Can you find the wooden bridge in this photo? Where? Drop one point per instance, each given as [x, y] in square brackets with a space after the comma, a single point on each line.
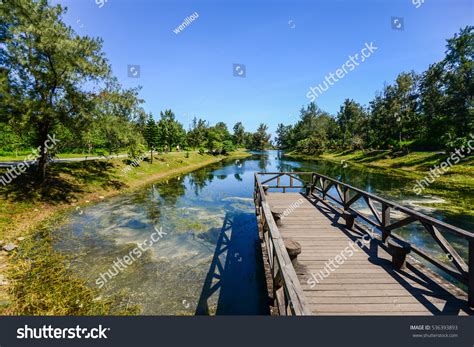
[333, 249]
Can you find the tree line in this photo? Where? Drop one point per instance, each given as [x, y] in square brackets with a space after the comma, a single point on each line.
[428, 111]
[53, 81]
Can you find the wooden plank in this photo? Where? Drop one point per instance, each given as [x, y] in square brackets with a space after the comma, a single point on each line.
[396, 307]
[323, 286]
[374, 299]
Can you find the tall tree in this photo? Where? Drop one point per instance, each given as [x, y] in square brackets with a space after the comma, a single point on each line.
[352, 122]
[459, 67]
[197, 133]
[239, 134]
[48, 64]
[151, 135]
[283, 136]
[171, 131]
[261, 138]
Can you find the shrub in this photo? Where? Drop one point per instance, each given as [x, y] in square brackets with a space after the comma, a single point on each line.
[135, 151]
[311, 145]
[460, 143]
[227, 147]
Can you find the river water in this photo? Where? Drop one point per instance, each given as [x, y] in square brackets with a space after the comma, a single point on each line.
[206, 260]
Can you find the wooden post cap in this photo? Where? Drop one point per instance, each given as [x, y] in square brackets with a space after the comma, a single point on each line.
[399, 251]
[292, 247]
[277, 211]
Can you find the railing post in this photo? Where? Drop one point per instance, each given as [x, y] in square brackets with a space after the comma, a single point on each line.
[471, 272]
[346, 198]
[385, 221]
[323, 186]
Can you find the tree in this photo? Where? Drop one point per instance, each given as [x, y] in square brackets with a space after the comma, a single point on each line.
[116, 121]
[283, 138]
[433, 105]
[171, 131]
[239, 134]
[261, 138]
[197, 133]
[224, 134]
[213, 140]
[459, 66]
[48, 64]
[352, 122]
[151, 135]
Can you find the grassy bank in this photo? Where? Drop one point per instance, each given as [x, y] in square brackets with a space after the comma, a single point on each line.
[456, 185]
[34, 279]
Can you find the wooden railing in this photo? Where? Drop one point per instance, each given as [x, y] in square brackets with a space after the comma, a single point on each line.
[287, 291]
[347, 195]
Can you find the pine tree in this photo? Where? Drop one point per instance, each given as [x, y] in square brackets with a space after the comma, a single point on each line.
[151, 135]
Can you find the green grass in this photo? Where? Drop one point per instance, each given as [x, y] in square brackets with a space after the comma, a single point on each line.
[42, 284]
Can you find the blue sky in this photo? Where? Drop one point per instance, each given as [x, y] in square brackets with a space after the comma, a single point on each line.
[286, 46]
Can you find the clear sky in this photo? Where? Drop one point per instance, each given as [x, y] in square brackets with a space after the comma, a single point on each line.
[286, 47]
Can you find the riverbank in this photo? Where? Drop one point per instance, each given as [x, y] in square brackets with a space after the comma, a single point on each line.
[33, 274]
[456, 185]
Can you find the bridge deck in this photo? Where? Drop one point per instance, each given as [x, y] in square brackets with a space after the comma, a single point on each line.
[365, 283]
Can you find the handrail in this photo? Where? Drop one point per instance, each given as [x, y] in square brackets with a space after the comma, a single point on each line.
[287, 290]
[381, 220]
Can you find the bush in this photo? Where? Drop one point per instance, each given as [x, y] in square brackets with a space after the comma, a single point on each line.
[460, 143]
[311, 145]
[201, 150]
[135, 151]
[227, 147]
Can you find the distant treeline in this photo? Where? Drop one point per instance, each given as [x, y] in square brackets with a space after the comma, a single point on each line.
[432, 110]
[167, 133]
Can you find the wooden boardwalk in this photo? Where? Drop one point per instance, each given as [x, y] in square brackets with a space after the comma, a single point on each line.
[366, 283]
